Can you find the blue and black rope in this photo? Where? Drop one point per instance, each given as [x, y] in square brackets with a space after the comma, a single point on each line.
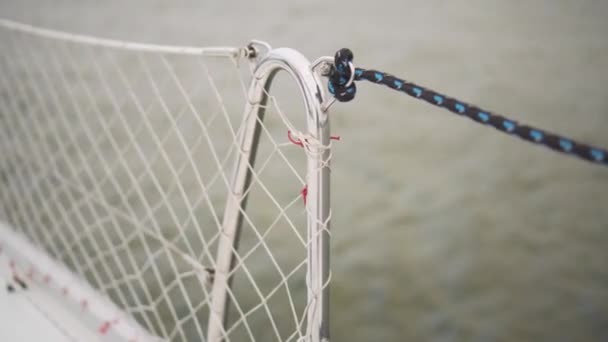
[342, 91]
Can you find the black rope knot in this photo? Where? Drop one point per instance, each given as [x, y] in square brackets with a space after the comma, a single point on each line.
[341, 79]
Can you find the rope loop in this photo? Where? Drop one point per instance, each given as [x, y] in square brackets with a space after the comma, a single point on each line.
[341, 84]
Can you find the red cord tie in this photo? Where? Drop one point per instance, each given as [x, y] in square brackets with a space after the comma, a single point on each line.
[301, 144]
[105, 326]
[304, 193]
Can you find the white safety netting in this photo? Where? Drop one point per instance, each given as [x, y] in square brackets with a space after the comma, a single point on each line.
[117, 161]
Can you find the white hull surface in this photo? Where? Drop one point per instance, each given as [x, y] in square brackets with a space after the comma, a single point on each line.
[41, 300]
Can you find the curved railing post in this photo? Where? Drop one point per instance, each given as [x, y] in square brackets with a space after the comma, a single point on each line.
[318, 208]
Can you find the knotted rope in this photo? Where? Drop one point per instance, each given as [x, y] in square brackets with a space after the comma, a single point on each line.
[343, 90]
[341, 84]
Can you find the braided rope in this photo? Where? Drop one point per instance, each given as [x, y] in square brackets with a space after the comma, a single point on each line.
[341, 84]
[220, 51]
[344, 92]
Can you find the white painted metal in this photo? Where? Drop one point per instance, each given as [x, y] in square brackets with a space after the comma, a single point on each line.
[299, 68]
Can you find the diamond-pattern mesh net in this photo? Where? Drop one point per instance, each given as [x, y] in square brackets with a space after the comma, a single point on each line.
[118, 164]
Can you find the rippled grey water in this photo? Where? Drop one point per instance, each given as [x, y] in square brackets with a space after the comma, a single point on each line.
[442, 230]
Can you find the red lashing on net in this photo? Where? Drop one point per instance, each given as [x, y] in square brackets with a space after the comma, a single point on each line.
[304, 193]
[301, 144]
[105, 326]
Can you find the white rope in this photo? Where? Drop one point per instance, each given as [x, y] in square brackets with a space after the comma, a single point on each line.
[219, 51]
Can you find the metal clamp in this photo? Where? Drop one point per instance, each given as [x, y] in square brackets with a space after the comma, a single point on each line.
[255, 47]
[324, 67]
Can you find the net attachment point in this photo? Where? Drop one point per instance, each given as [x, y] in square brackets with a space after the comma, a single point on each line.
[257, 48]
[209, 276]
[324, 66]
[330, 67]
